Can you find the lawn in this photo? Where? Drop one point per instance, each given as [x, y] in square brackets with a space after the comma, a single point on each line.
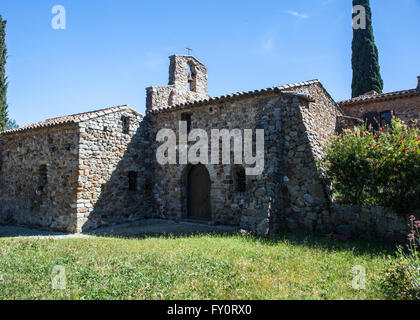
[200, 266]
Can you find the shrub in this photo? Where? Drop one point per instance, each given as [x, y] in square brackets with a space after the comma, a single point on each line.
[376, 168]
[401, 280]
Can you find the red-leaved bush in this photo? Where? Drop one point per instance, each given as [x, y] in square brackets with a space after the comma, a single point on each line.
[366, 167]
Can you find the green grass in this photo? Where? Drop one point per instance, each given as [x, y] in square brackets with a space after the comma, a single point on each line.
[202, 266]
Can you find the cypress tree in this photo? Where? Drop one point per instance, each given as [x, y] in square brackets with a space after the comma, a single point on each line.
[365, 58]
[3, 78]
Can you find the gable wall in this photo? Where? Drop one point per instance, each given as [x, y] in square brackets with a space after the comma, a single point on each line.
[319, 117]
[106, 156]
[21, 201]
[289, 191]
[249, 209]
[181, 70]
[407, 109]
[310, 127]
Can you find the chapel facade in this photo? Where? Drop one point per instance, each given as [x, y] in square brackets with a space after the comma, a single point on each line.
[84, 171]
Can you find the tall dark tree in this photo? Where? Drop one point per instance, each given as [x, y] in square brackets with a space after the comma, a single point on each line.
[365, 59]
[3, 78]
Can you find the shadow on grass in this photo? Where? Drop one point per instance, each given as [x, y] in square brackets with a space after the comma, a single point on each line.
[314, 241]
[10, 231]
[326, 242]
[165, 230]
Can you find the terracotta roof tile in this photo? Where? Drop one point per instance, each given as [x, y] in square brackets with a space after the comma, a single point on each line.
[235, 95]
[380, 97]
[74, 118]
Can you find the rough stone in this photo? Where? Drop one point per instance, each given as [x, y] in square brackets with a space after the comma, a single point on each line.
[84, 171]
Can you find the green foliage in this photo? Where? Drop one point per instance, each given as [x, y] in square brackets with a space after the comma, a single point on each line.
[200, 266]
[401, 280]
[3, 78]
[11, 124]
[381, 168]
[365, 58]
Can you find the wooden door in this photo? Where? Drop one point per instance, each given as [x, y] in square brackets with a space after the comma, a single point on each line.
[199, 206]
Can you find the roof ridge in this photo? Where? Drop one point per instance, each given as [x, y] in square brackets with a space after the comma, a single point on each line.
[392, 94]
[88, 112]
[73, 118]
[236, 94]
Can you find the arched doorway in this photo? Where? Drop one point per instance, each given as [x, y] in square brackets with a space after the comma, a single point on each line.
[199, 206]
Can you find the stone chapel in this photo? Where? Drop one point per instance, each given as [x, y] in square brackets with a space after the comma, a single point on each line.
[84, 171]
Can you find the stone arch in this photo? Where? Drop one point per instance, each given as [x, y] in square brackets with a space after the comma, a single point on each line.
[192, 76]
[196, 200]
[184, 191]
[239, 177]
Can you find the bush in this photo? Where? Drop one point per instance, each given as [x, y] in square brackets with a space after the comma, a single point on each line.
[401, 280]
[376, 168]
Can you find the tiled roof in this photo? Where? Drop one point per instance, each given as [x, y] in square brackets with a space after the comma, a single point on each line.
[75, 118]
[381, 97]
[232, 96]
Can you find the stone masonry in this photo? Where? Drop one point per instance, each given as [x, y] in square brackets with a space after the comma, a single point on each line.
[71, 173]
[187, 82]
[405, 104]
[84, 171]
[289, 190]
[39, 177]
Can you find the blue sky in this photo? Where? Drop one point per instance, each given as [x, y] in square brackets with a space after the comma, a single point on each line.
[112, 50]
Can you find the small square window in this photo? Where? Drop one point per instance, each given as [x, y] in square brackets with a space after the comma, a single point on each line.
[192, 77]
[125, 124]
[132, 181]
[386, 118]
[148, 185]
[42, 178]
[239, 178]
[371, 119]
[187, 117]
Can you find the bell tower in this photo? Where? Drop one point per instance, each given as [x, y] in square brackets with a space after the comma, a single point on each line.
[188, 74]
[187, 83]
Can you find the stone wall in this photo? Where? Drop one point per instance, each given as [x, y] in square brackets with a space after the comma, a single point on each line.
[289, 191]
[368, 223]
[89, 170]
[1, 156]
[185, 69]
[307, 128]
[107, 156]
[346, 122]
[38, 178]
[75, 177]
[229, 207]
[187, 83]
[160, 96]
[407, 109]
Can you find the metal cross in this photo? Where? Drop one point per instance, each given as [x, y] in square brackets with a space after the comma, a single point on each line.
[189, 51]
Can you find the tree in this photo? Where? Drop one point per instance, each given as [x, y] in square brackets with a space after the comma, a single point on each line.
[365, 58]
[3, 78]
[11, 124]
[376, 169]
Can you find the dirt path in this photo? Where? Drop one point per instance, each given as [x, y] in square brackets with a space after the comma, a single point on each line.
[23, 232]
[134, 229]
